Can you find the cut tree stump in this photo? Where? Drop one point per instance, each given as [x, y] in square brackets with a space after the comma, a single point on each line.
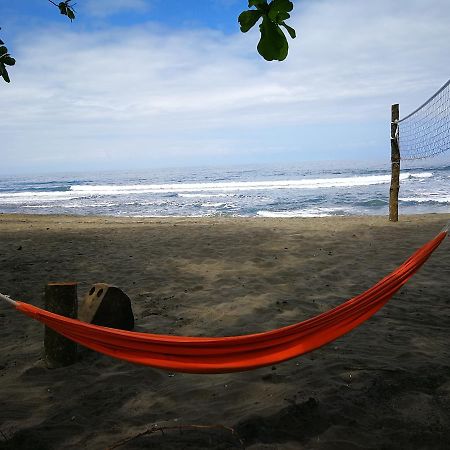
[107, 306]
[60, 298]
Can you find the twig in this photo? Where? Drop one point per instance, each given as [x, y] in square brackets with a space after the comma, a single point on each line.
[156, 428]
[383, 369]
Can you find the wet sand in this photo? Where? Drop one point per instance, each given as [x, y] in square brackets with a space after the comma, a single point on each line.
[384, 385]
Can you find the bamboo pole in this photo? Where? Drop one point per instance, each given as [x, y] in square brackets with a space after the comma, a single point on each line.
[60, 298]
[395, 165]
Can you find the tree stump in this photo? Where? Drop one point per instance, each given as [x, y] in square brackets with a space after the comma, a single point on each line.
[107, 306]
[60, 298]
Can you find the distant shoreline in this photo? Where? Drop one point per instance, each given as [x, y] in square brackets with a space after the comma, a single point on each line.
[139, 219]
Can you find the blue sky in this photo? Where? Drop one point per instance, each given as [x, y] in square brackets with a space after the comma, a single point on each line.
[94, 14]
[153, 83]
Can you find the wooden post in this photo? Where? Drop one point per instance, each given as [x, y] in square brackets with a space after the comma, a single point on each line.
[395, 165]
[60, 298]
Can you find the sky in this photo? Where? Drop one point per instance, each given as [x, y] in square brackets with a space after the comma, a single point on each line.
[135, 84]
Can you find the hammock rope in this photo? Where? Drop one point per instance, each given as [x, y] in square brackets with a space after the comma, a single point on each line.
[235, 353]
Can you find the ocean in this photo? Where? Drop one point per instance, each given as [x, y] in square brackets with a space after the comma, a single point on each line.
[295, 190]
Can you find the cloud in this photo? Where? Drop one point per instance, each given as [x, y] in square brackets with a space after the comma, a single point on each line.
[105, 8]
[151, 94]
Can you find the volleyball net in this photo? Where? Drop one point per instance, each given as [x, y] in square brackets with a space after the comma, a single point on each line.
[426, 131]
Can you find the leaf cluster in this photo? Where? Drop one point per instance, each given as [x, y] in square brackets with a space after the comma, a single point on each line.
[65, 8]
[5, 60]
[273, 44]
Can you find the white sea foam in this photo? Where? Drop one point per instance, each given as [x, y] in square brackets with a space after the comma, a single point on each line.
[445, 199]
[37, 197]
[197, 189]
[421, 175]
[309, 212]
[215, 205]
[199, 195]
[42, 194]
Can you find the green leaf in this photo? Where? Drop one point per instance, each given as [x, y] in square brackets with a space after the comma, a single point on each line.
[8, 60]
[281, 5]
[273, 13]
[289, 29]
[256, 3]
[70, 14]
[278, 17]
[273, 44]
[282, 16]
[278, 11]
[248, 18]
[3, 50]
[4, 73]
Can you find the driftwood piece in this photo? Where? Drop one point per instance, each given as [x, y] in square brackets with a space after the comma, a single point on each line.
[60, 298]
[107, 306]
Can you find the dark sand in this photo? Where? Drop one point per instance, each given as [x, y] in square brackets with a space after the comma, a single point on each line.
[385, 385]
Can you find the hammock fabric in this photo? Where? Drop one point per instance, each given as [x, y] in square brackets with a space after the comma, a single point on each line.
[237, 353]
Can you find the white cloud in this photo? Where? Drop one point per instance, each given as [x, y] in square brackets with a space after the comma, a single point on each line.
[155, 94]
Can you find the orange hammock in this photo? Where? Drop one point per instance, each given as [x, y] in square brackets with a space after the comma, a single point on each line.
[237, 353]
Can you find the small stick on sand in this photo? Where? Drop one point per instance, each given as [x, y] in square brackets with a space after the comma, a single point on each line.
[156, 428]
[384, 369]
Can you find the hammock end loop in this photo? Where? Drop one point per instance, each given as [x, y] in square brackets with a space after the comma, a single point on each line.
[8, 299]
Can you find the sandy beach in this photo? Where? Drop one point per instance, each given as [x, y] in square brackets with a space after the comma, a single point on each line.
[385, 385]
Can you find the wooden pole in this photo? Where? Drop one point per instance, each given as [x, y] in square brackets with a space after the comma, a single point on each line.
[395, 165]
[60, 298]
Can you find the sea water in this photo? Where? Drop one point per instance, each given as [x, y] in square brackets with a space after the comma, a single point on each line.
[295, 190]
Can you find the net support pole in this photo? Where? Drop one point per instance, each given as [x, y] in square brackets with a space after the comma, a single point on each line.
[395, 165]
[60, 298]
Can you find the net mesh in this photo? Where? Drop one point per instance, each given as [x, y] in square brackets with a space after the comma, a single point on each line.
[426, 131]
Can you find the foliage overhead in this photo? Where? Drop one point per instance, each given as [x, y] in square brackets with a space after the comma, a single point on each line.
[66, 9]
[273, 44]
[5, 60]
